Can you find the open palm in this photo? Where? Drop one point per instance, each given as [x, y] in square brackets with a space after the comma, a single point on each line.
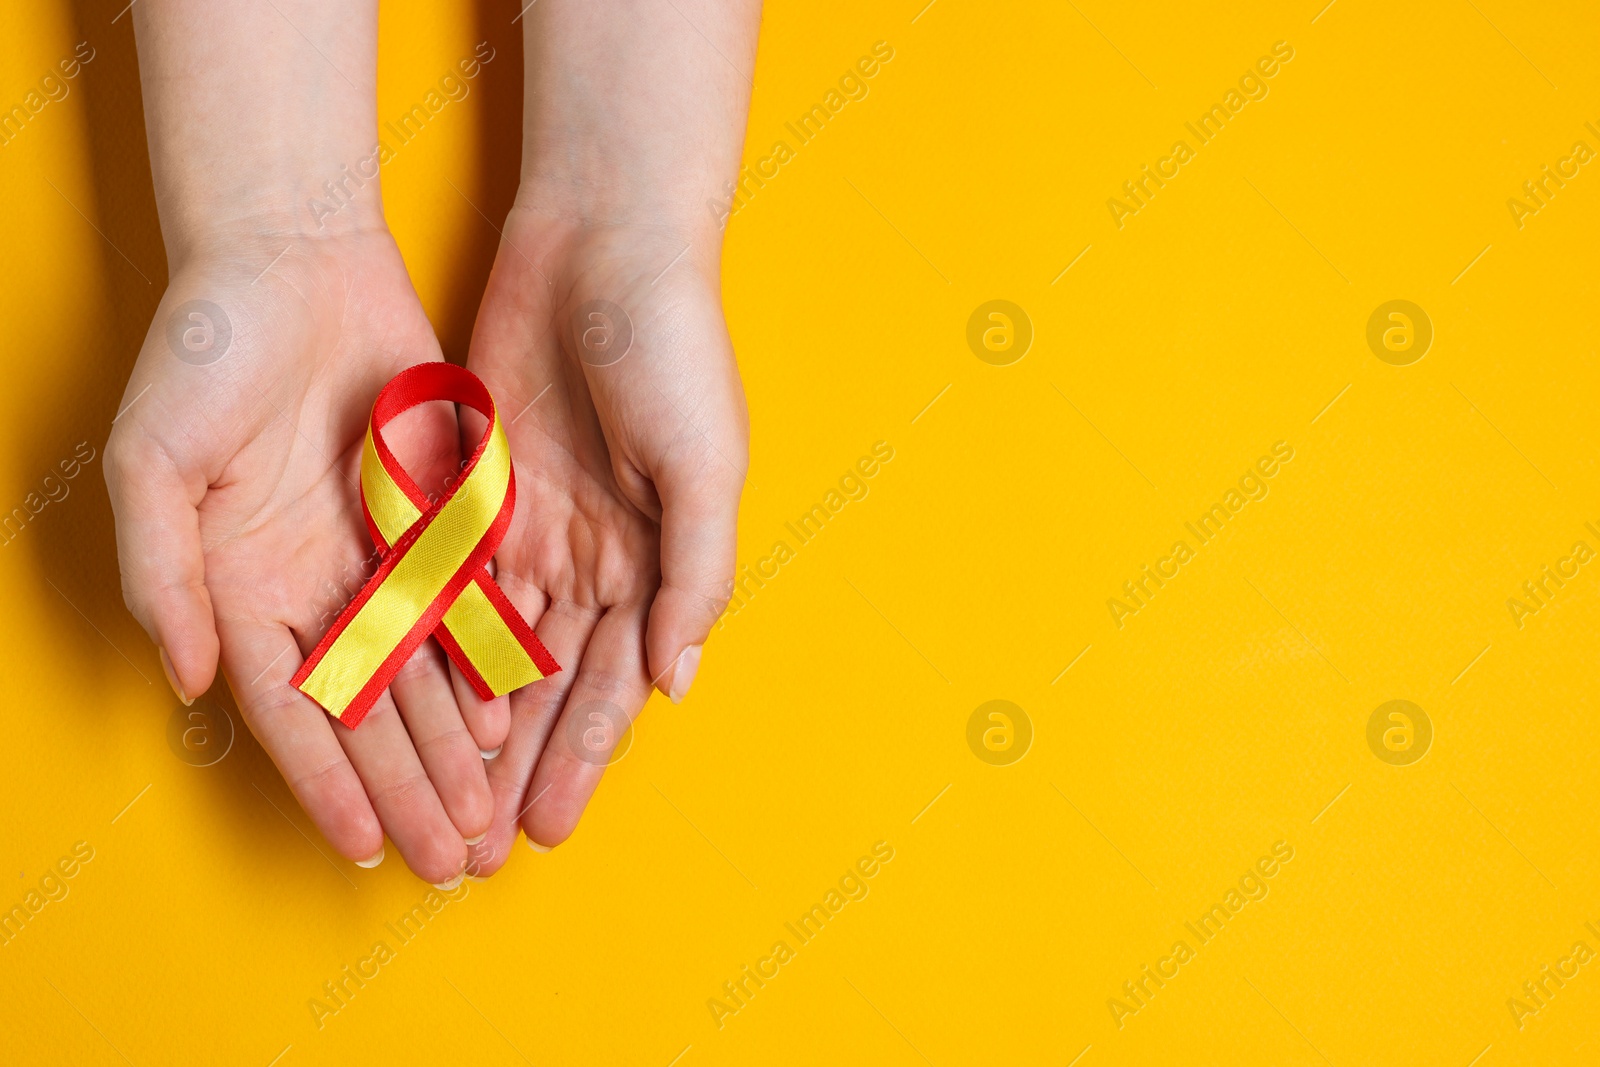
[608, 355]
[234, 473]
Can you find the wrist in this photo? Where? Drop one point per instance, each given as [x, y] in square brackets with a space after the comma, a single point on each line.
[634, 112]
[243, 247]
[316, 199]
[568, 212]
[261, 119]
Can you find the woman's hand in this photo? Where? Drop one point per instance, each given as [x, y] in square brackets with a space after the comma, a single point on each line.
[608, 354]
[234, 462]
[601, 333]
[234, 474]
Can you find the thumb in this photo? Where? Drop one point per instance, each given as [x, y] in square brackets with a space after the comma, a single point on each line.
[163, 566]
[699, 524]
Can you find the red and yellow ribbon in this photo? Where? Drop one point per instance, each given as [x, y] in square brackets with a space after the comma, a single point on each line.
[432, 578]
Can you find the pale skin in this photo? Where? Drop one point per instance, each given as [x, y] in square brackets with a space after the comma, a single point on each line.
[234, 481]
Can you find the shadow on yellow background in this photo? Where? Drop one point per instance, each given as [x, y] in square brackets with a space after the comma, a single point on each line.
[1204, 673]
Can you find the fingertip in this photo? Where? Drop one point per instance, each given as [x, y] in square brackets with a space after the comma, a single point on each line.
[441, 866]
[675, 637]
[172, 677]
[179, 619]
[683, 672]
[674, 679]
[189, 658]
[475, 815]
[489, 721]
[489, 855]
[463, 788]
[551, 818]
[493, 725]
[547, 832]
[699, 527]
[551, 823]
[338, 805]
[160, 556]
[486, 857]
[360, 840]
[355, 835]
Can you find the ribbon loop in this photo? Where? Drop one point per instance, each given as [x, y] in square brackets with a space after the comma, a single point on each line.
[432, 577]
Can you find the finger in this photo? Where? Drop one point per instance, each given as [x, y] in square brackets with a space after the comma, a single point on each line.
[487, 720]
[404, 798]
[163, 565]
[259, 658]
[564, 628]
[699, 519]
[595, 726]
[427, 703]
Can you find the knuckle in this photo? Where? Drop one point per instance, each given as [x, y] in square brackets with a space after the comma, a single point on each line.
[129, 454]
[334, 805]
[716, 601]
[451, 742]
[316, 784]
[404, 793]
[258, 707]
[420, 665]
[119, 459]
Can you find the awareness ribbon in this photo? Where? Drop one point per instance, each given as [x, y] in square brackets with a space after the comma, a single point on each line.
[432, 577]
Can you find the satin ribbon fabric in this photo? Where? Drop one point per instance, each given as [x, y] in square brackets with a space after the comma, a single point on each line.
[432, 577]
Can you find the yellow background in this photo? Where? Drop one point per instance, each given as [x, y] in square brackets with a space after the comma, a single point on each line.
[832, 709]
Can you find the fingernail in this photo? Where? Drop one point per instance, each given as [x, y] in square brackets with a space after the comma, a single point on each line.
[452, 883]
[177, 686]
[490, 753]
[538, 847]
[683, 673]
[373, 862]
[476, 840]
